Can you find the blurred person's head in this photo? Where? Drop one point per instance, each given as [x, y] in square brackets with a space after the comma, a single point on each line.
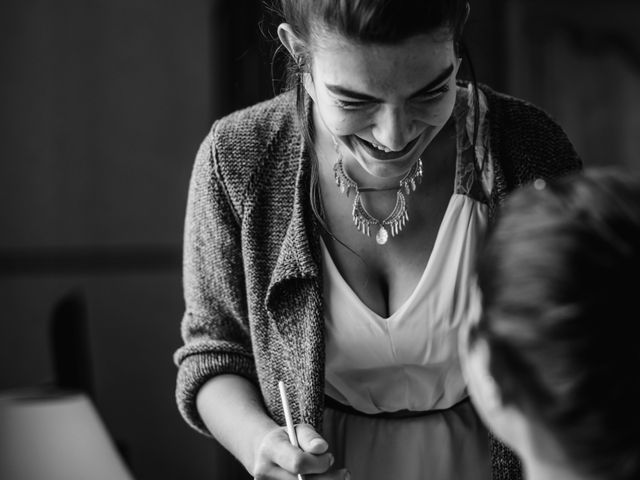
[552, 362]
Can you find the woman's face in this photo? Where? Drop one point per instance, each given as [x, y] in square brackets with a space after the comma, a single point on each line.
[383, 103]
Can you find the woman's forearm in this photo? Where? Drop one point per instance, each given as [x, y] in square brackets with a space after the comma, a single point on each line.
[232, 409]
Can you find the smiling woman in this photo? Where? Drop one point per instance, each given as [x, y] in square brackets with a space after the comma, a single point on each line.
[329, 241]
[382, 124]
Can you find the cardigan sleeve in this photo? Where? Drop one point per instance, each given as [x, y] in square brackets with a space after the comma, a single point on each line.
[214, 326]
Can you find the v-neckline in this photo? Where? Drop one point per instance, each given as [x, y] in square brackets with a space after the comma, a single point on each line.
[446, 218]
[460, 129]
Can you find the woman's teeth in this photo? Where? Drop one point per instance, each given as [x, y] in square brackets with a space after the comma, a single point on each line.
[380, 147]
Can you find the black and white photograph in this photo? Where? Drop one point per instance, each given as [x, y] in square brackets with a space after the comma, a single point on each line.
[319, 239]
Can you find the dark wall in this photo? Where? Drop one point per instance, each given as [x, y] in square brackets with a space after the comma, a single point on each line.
[103, 105]
[580, 61]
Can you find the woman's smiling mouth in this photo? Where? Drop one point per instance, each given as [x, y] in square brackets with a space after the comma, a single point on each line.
[382, 153]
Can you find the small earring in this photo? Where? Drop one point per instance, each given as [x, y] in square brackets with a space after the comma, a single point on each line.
[335, 143]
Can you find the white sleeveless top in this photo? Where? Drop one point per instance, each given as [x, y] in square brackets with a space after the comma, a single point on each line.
[409, 361]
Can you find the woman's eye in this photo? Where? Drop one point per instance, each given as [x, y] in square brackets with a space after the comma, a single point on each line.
[434, 95]
[348, 105]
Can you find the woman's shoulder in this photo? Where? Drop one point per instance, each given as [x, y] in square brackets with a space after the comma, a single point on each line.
[526, 139]
[508, 108]
[250, 130]
[242, 147]
[515, 118]
[243, 137]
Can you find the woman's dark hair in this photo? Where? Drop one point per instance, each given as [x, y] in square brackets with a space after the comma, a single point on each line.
[557, 277]
[367, 21]
[374, 21]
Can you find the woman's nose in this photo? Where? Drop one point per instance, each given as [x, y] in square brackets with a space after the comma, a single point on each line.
[393, 128]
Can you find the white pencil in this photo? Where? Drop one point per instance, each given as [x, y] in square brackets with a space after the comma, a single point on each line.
[287, 416]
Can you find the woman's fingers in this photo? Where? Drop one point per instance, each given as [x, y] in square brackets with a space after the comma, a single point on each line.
[294, 460]
[278, 459]
[310, 440]
[279, 474]
[277, 449]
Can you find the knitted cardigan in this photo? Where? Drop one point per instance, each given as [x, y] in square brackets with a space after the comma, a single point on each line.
[251, 267]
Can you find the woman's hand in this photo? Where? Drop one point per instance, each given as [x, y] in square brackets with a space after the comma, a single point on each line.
[277, 459]
[233, 411]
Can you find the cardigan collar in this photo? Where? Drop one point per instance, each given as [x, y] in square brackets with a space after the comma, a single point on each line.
[298, 256]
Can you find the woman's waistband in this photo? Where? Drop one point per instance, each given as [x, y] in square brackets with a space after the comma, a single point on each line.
[336, 405]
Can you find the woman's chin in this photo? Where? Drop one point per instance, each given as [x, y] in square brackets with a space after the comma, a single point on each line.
[382, 170]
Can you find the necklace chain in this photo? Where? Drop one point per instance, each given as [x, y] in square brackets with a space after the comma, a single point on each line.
[362, 219]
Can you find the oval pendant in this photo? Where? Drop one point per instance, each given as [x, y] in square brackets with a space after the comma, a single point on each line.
[382, 236]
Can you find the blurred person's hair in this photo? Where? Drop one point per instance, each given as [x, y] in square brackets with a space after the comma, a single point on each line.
[558, 278]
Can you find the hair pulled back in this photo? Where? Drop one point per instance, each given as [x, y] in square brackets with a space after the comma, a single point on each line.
[377, 21]
[370, 21]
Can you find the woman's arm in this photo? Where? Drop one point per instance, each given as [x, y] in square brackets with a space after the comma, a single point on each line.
[214, 327]
[216, 385]
[231, 408]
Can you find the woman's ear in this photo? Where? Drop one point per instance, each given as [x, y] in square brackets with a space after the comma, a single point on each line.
[506, 421]
[291, 42]
[298, 50]
[483, 389]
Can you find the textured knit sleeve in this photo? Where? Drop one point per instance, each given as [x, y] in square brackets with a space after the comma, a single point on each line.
[214, 327]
